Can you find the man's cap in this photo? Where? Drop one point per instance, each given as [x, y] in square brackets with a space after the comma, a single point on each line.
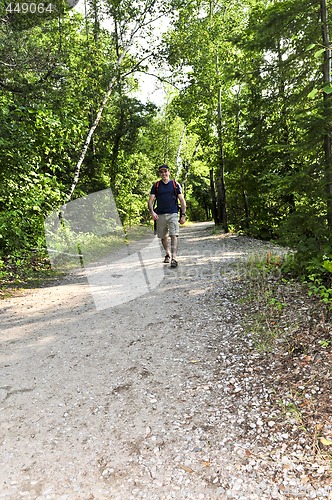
[163, 167]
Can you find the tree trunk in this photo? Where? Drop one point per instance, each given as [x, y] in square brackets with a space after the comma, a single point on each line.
[186, 167]
[89, 137]
[214, 201]
[242, 172]
[246, 209]
[286, 164]
[222, 212]
[327, 109]
[178, 154]
[119, 133]
[121, 53]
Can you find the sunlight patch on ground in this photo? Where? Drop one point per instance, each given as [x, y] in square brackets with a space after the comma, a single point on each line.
[218, 257]
[198, 291]
[126, 279]
[86, 235]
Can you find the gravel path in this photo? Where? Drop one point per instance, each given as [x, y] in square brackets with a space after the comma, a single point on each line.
[161, 397]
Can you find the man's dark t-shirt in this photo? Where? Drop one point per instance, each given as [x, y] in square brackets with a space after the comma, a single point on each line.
[166, 199]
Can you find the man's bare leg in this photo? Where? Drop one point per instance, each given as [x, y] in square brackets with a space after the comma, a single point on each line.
[164, 242]
[174, 246]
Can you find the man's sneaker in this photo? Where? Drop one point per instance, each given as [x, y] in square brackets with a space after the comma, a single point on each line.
[167, 259]
[174, 263]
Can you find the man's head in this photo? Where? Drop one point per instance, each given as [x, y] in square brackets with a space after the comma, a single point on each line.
[163, 168]
[164, 171]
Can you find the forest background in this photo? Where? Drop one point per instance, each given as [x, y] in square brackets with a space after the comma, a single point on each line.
[246, 125]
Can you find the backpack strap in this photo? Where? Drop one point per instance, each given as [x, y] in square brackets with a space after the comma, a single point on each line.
[156, 186]
[175, 185]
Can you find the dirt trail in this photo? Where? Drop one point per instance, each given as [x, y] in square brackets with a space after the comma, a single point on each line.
[149, 399]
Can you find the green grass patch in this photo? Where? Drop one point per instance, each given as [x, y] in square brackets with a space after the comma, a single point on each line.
[30, 270]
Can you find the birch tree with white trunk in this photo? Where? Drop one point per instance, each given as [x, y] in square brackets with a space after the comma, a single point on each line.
[131, 23]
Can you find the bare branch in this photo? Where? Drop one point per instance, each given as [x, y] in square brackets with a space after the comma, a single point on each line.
[8, 64]
[140, 23]
[158, 77]
[135, 69]
[94, 126]
[178, 154]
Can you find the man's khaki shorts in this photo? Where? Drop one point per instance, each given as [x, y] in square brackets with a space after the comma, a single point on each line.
[167, 224]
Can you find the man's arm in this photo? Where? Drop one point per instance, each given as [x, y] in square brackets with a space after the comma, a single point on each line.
[150, 205]
[183, 208]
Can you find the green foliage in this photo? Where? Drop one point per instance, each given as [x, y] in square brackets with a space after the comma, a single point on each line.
[24, 270]
[316, 287]
[314, 270]
[327, 264]
[264, 292]
[292, 410]
[277, 303]
[250, 95]
[319, 279]
[199, 204]
[272, 302]
[54, 76]
[272, 133]
[325, 343]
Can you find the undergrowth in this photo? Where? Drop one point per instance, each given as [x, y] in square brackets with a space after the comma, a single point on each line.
[280, 302]
[290, 322]
[29, 270]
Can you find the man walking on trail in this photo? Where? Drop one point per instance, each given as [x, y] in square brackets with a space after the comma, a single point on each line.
[167, 192]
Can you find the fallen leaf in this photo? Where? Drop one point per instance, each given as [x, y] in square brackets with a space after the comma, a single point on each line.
[325, 442]
[206, 464]
[185, 468]
[147, 432]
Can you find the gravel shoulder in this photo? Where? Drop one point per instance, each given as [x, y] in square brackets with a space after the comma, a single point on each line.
[161, 397]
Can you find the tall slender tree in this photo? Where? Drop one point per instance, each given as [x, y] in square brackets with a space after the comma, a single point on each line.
[327, 78]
